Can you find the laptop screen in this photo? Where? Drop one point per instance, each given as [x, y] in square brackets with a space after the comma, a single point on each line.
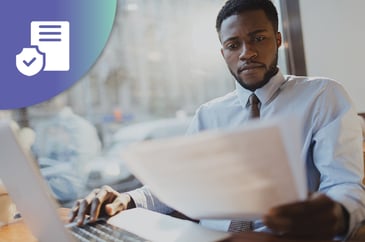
[26, 187]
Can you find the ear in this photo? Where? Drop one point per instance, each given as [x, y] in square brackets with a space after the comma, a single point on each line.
[278, 39]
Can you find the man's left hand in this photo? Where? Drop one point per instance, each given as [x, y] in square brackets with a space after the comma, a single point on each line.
[317, 217]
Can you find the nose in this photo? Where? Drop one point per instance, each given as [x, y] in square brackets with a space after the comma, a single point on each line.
[248, 52]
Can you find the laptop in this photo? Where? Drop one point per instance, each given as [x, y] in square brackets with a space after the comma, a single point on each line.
[28, 190]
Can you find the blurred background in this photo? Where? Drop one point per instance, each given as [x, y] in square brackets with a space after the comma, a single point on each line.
[161, 62]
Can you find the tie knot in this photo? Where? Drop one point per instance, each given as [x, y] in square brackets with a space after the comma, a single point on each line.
[253, 99]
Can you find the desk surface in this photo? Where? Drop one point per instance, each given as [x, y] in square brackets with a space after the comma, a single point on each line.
[16, 232]
[19, 232]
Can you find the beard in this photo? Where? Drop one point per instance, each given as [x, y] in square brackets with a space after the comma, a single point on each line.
[272, 69]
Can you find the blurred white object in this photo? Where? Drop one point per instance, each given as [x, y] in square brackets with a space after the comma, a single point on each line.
[64, 144]
[66, 137]
[109, 169]
[27, 137]
[156, 129]
[105, 171]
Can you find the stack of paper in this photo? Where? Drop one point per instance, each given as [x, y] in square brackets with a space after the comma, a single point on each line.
[240, 173]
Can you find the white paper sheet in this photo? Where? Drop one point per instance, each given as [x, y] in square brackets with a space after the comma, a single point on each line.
[163, 228]
[224, 174]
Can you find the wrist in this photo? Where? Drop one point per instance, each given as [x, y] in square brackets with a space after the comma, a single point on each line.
[343, 220]
[131, 203]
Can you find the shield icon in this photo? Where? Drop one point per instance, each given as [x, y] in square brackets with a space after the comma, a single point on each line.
[30, 61]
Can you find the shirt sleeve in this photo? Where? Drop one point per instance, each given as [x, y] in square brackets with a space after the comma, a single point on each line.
[337, 153]
[143, 198]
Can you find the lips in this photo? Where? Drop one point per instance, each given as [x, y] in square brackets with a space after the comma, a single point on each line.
[250, 67]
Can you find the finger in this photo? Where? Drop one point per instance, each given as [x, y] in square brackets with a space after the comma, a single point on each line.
[95, 209]
[119, 204]
[73, 211]
[312, 230]
[106, 194]
[96, 203]
[278, 224]
[299, 226]
[315, 204]
[81, 214]
[316, 216]
[82, 207]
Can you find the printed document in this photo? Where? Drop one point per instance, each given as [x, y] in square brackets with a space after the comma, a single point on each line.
[224, 174]
[163, 228]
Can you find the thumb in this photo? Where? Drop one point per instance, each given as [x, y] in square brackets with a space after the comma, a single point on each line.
[119, 204]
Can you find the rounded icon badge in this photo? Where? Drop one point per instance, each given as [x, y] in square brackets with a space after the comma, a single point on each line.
[50, 46]
[30, 61]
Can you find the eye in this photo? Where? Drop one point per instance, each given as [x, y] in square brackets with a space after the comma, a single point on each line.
[232, 46]
[259, 38]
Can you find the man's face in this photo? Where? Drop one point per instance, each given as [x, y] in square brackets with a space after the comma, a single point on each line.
[250, 47]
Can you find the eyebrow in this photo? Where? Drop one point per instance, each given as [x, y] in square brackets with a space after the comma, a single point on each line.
[257, 31]
[249, 34]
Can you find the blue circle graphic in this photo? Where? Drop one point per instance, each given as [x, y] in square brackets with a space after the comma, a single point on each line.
[47, 46]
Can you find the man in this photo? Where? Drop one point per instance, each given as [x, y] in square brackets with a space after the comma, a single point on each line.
[332, 146]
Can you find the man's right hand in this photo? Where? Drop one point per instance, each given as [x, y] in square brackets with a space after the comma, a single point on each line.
[103, 201]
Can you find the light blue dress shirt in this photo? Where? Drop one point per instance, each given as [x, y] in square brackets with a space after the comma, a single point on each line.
[332, 136]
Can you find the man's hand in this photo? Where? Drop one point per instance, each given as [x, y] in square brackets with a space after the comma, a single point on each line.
[317, 217]
[102, 201]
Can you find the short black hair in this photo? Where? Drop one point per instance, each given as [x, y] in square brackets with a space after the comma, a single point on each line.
[234, 7]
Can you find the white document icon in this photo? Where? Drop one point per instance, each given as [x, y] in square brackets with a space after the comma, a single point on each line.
[53, 39]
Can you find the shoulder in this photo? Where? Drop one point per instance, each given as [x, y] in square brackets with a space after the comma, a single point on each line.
[210, 114]
[230, 99]
[316, 81]
[316, 85]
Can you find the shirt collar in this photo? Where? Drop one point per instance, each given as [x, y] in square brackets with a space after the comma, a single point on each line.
[264, 93]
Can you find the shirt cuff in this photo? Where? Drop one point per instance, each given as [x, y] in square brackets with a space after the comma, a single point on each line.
[354, 207]
[143, 198]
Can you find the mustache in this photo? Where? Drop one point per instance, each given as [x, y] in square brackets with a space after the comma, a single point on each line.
[250, 65]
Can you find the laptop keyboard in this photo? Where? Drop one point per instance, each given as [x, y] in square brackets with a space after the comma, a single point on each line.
[101, 231]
